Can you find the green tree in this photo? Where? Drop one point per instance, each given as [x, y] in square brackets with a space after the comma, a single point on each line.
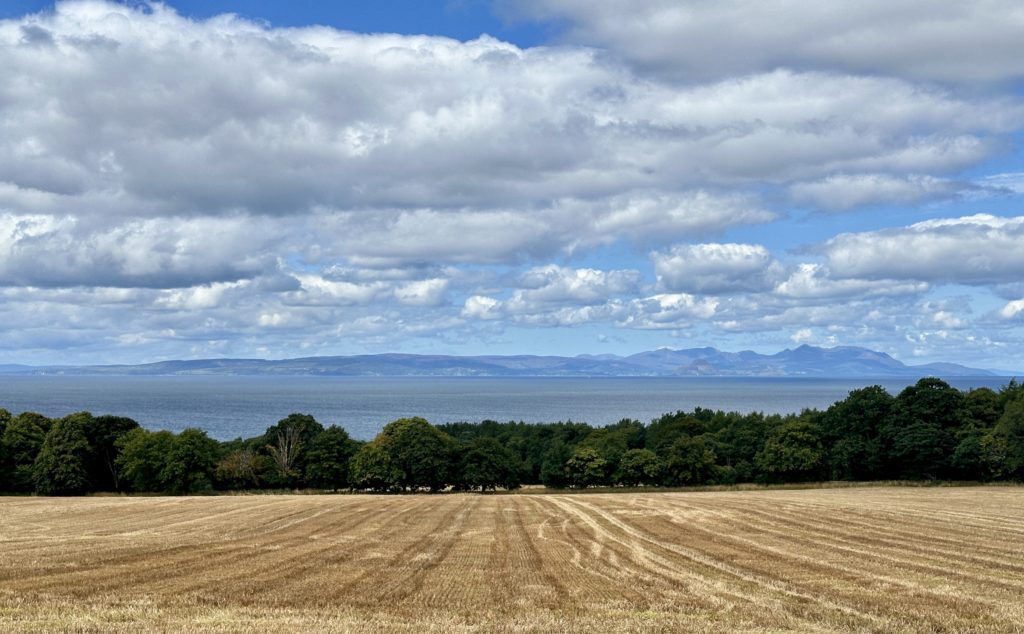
[920, 430]
[191, 463]
[372, 468]
[61, 467]
[852, 429]
[1004, 446]
[5, 417]
[738, 438]
[792, 452]
[487, 465]
[981, 411]
[690, 461]
[665, 430]
[614, 441]
[423, 454]
[328, 456]
[552, 468]
[585, 467]
[286, 442]
[22, 440]
[142, 459]
[103, 432]
[241, 468]
[639, 466]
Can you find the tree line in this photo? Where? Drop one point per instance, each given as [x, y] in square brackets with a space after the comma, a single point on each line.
[929, 431]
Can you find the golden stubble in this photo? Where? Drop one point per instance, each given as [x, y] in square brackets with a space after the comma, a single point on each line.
[869, 559]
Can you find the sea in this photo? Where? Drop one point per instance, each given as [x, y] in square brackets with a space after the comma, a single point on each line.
[230, 407]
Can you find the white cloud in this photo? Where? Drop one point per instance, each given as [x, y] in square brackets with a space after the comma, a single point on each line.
[482, 307]
[813, 282]
[848, 191]
[979, 249]
[670, 310]
[41, 250]
[664, 217]
[687, 40]
[224, 187]
[803, 335]
[318, 290]
[553, 284]
[1012, 309]
[422, 292]
[198, 297]
[716, 268]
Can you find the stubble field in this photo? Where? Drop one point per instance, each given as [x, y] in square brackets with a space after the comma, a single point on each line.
[857, 559]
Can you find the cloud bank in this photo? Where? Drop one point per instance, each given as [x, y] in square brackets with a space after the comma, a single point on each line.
[181, 187]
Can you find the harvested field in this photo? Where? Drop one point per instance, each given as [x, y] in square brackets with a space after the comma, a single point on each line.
[855, 559]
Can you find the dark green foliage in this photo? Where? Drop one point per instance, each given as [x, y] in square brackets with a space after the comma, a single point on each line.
[612, 442]
[241, 468]
[639, 466]
[792, 452]
[737, 440]
[286, 445]
[327, 459]
[930, 430]
[103, 433]
[852, 433]
[22, 440]
[143, 458]
[422, 454]
[162, 462]
[585, 467]
[62, 465]
[552, 470]
[690, 461]
[372, 468]
[663, 432]
[5, 417]
[487, 465]
[1003, 448]
[191, 463]
[982, 408]
[919, 433]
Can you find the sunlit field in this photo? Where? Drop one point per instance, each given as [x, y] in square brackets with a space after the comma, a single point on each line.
[852, 559]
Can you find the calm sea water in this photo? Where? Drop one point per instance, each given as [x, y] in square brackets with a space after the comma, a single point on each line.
[232, 406]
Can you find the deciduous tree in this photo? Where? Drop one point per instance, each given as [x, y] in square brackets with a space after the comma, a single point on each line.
[61, 468]
[22, 440]
[328, 459]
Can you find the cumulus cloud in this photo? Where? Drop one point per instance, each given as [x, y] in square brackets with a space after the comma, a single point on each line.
[1012, 309]
[482, 307]
[554, 284]
[422, 292]
[145, 112]
[223, 186]
[716, 268]
[810, 281]
[688, 40]
[847, 191]
[979, 249]
[40, 250]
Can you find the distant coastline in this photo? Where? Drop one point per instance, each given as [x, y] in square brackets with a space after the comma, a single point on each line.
[803, 361]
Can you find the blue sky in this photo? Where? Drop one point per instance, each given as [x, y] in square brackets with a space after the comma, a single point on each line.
[205, 179]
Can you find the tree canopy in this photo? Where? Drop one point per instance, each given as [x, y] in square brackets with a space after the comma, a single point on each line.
[929, 430]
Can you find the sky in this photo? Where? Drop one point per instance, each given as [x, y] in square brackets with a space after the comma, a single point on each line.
[279, 179]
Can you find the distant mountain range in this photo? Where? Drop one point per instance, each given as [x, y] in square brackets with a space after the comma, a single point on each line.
[804, 361]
